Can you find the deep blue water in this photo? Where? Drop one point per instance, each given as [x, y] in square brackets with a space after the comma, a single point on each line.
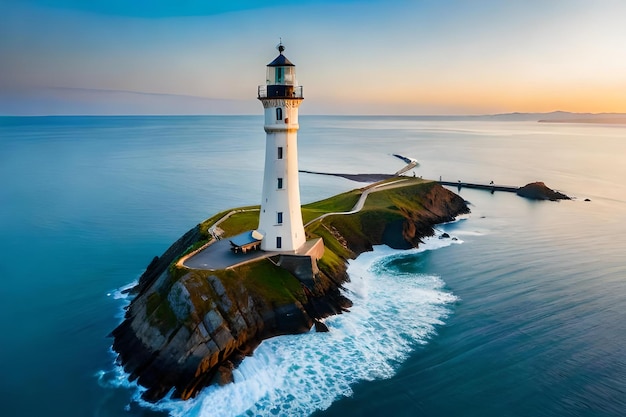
[527, 316]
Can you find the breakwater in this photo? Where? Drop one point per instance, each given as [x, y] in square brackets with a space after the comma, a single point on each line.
[488, 187]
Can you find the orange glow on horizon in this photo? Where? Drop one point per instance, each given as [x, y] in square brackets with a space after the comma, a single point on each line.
[478, 99]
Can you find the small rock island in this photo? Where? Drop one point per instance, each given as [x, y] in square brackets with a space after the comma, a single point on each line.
[187, 328]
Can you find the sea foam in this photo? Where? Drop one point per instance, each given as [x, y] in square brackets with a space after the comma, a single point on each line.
[393, 313]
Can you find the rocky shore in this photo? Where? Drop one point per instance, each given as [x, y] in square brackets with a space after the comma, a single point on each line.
[186, 329]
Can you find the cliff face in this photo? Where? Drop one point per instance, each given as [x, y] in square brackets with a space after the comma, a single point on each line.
[188, 329]
[398, 218]
[190, 333]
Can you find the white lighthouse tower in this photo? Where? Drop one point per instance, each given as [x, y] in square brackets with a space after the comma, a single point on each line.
[280, 220]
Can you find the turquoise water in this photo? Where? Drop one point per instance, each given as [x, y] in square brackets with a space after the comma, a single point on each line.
[526, 316]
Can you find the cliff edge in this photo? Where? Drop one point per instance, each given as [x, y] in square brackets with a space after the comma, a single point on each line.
[187, 328]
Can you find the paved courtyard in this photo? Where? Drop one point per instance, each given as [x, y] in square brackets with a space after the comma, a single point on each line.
[219, 256]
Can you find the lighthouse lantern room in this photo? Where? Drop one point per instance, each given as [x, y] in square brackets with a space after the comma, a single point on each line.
[280, 220]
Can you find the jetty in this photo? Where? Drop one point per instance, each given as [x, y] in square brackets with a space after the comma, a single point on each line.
[533, 190]
[380, 177]
[489, 187]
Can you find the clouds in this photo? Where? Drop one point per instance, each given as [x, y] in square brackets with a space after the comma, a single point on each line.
[372, 57]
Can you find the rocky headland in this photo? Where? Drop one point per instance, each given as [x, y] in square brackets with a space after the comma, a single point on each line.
[188, 328]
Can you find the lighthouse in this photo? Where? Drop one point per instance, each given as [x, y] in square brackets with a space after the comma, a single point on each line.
[280, 220]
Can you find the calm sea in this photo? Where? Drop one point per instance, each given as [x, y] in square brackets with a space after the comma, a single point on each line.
[524, 315]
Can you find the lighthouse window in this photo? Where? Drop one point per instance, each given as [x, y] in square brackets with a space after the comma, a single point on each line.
[279, 217]
[280, 75]
[280, 152]
[279, 184]
[279, 242]
[279, 114]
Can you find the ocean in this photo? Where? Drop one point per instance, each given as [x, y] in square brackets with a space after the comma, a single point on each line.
[523, 315]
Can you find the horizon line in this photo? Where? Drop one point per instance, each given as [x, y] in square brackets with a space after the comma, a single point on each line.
[516, 113]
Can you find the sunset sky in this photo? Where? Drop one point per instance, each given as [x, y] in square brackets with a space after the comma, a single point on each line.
[353, 57]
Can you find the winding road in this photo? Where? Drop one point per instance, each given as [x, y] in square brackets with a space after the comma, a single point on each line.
[216, 254]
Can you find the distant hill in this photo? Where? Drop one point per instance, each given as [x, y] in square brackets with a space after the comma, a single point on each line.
[561, 117]
[551, 117]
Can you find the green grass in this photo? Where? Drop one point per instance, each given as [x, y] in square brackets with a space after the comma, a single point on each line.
[274, 285]
[407, 197]
[347, 225]
[339, 203]
[330, 261]
[366, 227]
[205, 225]
[240, 222]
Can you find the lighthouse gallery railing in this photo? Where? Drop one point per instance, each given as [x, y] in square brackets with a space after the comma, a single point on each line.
[280, 91]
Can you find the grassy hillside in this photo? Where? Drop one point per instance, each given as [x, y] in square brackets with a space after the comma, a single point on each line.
[392, 215]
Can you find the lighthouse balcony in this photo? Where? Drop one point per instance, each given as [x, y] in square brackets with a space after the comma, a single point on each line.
[280, 91]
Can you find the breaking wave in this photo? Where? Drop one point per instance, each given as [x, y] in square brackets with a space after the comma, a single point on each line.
[396, 309]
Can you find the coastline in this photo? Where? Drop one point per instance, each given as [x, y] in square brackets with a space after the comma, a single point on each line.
[210, 325]
[391, 316]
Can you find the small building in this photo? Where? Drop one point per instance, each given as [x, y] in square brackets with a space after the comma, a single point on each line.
[246, 241]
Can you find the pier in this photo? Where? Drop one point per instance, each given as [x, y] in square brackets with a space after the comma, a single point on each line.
[381, 177]
[487, 187]
[534, 191]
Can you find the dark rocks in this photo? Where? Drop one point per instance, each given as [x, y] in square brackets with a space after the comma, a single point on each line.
[189, 331]
[444, 236]
[188, 334]
[439, 205]
[292, 319]
[539, 191]
[224, 374]
[320, 327]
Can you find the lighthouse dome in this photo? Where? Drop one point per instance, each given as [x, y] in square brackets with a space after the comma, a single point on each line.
[281, 61]
[281, 71]
[280, 79]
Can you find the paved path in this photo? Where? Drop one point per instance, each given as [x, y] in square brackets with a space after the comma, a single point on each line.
[217, 255]
[361, 202]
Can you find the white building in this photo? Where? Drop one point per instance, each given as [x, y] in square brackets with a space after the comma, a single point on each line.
[280, 220]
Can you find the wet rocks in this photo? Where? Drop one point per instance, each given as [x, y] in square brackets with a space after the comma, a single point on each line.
[188, 331]
[539, 191]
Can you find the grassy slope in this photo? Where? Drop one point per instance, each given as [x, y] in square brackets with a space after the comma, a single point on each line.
[344, 236]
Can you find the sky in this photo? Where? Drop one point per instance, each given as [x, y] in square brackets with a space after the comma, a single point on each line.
[387, 57]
